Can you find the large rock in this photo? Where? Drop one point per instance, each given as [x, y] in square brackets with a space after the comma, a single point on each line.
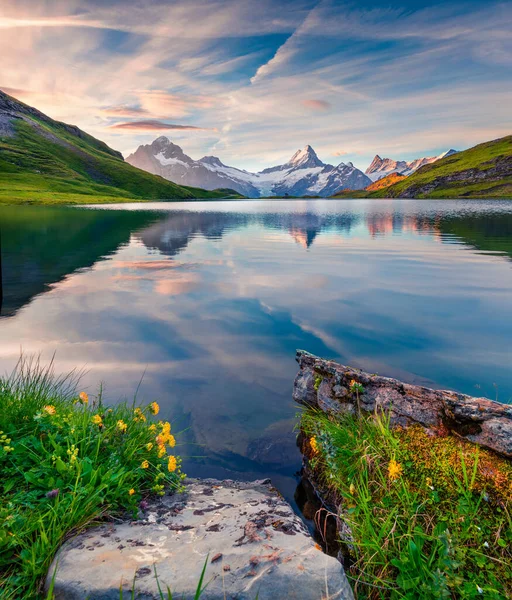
[254, 544]
[326, 385]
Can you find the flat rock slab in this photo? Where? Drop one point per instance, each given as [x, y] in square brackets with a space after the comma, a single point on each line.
[254, 545]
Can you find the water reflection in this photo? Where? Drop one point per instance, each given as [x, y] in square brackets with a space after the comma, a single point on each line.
[211, 301]
[31, 235]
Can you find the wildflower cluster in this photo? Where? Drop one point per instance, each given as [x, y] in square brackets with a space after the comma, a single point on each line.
[71, 461]
[5, 442]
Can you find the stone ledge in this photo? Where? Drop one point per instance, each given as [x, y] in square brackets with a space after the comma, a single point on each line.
[255, 544]
[326, 385]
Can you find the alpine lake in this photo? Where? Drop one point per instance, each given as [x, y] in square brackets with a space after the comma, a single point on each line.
[201, 306]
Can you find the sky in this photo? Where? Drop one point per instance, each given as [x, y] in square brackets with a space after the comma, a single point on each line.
[251, 81]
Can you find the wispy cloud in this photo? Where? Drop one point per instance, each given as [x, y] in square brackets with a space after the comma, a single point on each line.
[403, 80]
[163, 103]
[152, 126]
[316, 104]
[124, 111]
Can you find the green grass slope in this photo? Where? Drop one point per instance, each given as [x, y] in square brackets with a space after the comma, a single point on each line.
[484, 171]
[42, 160]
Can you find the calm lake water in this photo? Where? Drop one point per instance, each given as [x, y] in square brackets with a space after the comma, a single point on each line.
[207, 302]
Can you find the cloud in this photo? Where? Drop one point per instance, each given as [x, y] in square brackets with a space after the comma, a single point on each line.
[16, 92]
[163, 103]
[124, 111]
[315, 104]
[153, 126]
[406, 81]
[341, 153]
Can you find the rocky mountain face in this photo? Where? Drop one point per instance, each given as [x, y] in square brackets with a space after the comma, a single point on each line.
[382, 167]
[303, 175]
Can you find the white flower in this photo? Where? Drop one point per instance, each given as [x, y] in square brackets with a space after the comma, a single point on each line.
[479, 589]
[486, 544]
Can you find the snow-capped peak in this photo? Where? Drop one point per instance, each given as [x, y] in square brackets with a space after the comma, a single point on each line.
[375, 164]
[305, 158]
[447, 153]
[214, 161]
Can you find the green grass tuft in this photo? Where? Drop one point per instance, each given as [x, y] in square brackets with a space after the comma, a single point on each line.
[66, 463]
[429, 516]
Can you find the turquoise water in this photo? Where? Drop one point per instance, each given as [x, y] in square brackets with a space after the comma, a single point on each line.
[204, 304]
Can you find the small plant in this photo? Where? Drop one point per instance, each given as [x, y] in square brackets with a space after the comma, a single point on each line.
[66, 462]
[318, 381]
[356, 388]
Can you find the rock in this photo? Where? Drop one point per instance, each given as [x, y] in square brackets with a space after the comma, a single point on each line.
[249, 538]
[479, 420]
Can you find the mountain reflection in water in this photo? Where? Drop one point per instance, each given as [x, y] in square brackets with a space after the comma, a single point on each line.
[212, 299]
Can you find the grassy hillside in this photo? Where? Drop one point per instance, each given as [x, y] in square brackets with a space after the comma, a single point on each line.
[42, 160]
[484, 171]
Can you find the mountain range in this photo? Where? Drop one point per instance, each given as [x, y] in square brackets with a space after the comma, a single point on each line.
[382, 167]
[303, 175]
[43, 160]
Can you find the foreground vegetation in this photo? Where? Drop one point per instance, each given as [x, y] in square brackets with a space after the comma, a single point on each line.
[67, 461]
[44, 161]
[429, 517]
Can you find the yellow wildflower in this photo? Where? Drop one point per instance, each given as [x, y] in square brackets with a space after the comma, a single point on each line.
[72, 453]
[171, 465]
[139, 415]
[122, 426]
[353, 383]
[166, 427]
[97, 420]
[314, 445]
[144, 464]
[165, 437]
[84, 398]
[50, 409]
[352, 489]
[131, 492]
[149, 447]
[395, 469]
[154, 408]
[161, 450]
[152, 428]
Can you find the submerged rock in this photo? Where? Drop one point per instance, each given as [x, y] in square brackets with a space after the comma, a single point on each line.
[253, 544]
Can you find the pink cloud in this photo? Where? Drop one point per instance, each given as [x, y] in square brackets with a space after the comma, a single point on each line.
[315, 104]
[153, 126]
[162, 103]
[124, 111]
